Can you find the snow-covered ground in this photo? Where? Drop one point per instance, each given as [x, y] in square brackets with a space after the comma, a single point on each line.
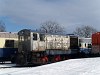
[85, 66]
[6, 65]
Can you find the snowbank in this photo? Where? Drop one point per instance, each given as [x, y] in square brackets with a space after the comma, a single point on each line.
[86, 66]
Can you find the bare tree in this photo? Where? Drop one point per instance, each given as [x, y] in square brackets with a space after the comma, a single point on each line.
[51, 27]
[2, 26]
[85, 31]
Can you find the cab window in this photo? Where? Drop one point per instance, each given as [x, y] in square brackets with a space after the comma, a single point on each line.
[80, 45]
[34, 36]
[9, 43]
[89, 46]
[41, 37]
[85, 44]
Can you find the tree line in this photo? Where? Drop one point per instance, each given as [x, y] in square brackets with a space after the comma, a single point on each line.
[53, 27]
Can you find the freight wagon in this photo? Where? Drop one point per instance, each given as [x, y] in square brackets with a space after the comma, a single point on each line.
[8, 45]
[40, 48]
[96, 43]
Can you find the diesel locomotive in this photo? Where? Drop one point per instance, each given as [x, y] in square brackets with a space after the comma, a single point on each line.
[41, 48]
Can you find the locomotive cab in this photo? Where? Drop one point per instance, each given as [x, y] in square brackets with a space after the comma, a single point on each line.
[29, 42]
[24, 47]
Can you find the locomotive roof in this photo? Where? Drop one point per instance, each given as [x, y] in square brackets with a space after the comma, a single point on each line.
[36, 31]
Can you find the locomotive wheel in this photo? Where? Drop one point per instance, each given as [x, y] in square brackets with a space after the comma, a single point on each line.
[13, 59]
[57, 58]
[44, 60]
[21, 59]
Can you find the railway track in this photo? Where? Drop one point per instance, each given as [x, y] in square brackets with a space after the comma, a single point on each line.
[4, 66]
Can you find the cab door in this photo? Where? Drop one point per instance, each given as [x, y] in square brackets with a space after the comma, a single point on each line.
[41, 42]
[35, 42]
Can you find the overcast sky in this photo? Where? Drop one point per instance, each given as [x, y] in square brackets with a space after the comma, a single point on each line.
[19, 14]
